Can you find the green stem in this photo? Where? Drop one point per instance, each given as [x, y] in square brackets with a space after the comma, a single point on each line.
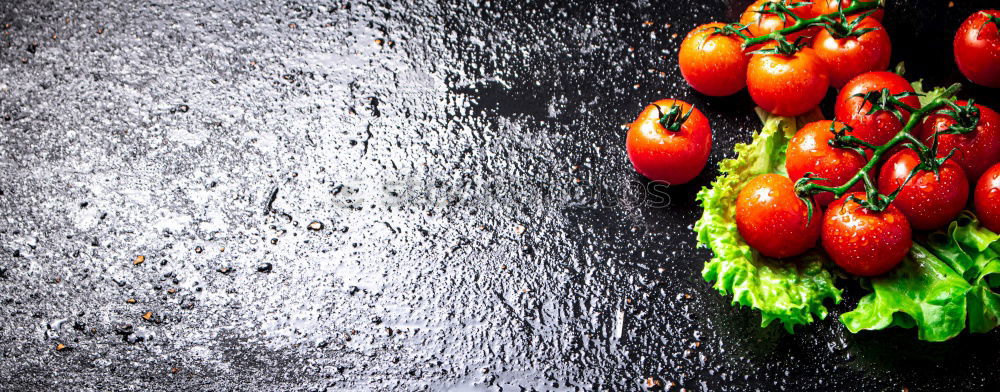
[879, 151]
[858, 6]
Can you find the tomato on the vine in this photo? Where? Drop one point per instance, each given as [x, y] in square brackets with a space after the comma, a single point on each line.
[848, 55]
[809, 151]
[975, 151]
[977, 48]
[787, 84]
[676, 155]
[929, 200]
[773, 220]
[824, 7]
[761, 21]
[876, 128]
[986, 199]
[712, 61]
[865, 242]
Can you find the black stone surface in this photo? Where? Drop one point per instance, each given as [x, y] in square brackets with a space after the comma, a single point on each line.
[407, 195]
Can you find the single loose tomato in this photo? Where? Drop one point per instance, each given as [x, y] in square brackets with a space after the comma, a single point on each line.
[773, 220]
[809, 151]
[787, 85]
[713, 62]
[865, 242]
[929, 200]
[977, 48]
[674, 156]
[987, 199]
[825, 7]
[761, 19]
[876, 128]
[975, 151]
[848, 55]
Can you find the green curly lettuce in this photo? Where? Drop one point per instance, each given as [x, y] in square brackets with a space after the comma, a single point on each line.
[939, 289]
[791, 292]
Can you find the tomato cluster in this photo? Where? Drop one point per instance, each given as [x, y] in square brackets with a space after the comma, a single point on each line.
[860, 184]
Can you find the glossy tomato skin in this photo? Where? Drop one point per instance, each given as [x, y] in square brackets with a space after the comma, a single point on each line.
[714, 64]
[977, 49]
[986, 199]
[876, 128]
[773, 220]
[852, 56]
[929, 201]
[975, 151]
[809, 151]
[664, 155]
[824, 7]
[787, 85]
[759, 24]
[864, 242]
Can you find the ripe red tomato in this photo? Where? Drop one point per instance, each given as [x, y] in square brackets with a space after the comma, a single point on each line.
[787, 85]
[852, 56]
[977, 48]
[975, 151]
[824, 7]
[987, 199]
[876, 128]
[773, 220]
[674, 157]
[765, 23]
[864, 242]
[928, 200]
[809, 152]
[713, 63]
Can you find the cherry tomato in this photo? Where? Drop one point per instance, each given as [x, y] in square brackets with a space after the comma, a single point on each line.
[928, 200]
[848, 57]
[713, 63]
[977, 48]
[876, 128]
[824, 7]
[787, 85]
[674, 157]
[762, 23]
[987, 199]
[975, 151]
[864, 242]
[773, 220]
[809, 151]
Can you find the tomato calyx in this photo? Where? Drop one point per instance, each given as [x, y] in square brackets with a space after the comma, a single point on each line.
[840, 27]
[732, 29]
[884, 100]
[673, 118]
[841, 139]
[966, 118]
[783, 46]
[781, 8]
[989, 19]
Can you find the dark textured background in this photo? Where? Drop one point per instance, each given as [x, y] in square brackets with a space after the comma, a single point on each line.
[481, 225]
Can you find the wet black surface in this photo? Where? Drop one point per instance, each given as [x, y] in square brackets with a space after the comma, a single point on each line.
[387, 196]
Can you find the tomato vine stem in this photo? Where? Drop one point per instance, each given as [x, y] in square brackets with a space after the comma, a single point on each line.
[856, 7]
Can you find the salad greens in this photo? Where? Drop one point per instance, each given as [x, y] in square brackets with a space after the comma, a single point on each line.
[945, 285]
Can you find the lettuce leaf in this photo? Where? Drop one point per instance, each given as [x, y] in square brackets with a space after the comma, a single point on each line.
[789, 291]
[939, 289]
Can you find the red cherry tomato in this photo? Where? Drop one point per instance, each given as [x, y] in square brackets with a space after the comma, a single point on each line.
[987, 199]
[928, 200]
[773, 220]
[824, 7]
[760, 21]
[977, 48]
[851, 56]
[975, 151]
[787, 85]
[864, 242]
[876, 128]
[713, 63]
[674, 157]
[809, 151]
